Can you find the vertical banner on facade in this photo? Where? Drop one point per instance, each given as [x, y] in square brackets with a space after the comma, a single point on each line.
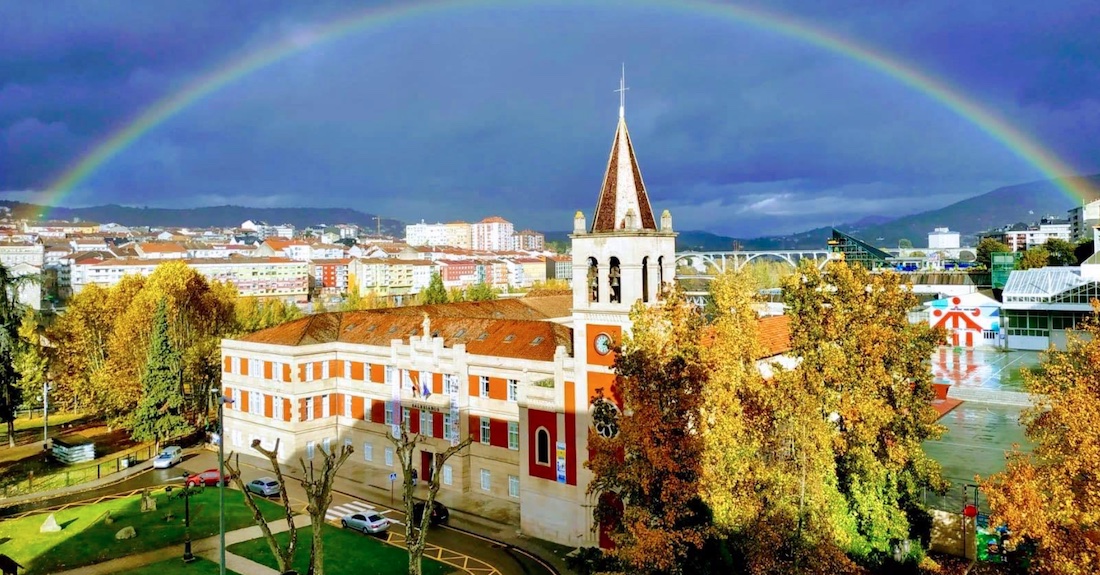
[395, 387]
[454, 420]
[561, 462]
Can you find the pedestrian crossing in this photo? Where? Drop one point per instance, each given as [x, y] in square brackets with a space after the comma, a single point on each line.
[335, 512]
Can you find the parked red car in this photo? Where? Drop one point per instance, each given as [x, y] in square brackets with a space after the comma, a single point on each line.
[208, 478]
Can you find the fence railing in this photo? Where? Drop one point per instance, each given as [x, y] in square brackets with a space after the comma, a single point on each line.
[68, 477]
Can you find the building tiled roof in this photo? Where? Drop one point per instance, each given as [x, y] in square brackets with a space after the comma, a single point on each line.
[525, 308]
[775, 334]
[162, 248]
[534, 340]
[494, 220]
[606, 218]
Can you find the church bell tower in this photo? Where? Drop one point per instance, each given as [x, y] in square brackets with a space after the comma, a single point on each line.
[626, 256]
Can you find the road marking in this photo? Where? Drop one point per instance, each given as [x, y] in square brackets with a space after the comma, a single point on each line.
[335, 512]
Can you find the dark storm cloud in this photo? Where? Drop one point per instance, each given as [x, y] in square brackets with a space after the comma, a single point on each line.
[510, 110]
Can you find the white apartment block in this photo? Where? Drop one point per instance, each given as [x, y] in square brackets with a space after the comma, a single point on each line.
[390, 276]
[1083, 219]
[493, 234]
[454, 234]
[529, 240]
[253, 277]
[943, 239]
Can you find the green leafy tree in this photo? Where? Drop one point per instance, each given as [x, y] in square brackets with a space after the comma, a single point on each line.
[1061, 252]
[989, 246]
[1084, 249]
[435, 293]
[11, 394]
[480, 291]
[159, 414]
[31, 360]
[905, 244]
[1035, 257]
[851, 329]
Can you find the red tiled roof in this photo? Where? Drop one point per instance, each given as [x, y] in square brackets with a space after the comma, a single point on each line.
[535, 340]
[494, 220]
[161, 247]
[775, 334]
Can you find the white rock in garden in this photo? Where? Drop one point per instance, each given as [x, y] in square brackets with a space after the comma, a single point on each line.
[126, 533]
[50, 525]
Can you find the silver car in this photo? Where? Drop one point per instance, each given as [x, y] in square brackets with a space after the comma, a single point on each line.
[369, 522]
[168, 457]
[266, 486]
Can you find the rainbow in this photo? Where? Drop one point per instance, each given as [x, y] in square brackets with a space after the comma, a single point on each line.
[377, 18]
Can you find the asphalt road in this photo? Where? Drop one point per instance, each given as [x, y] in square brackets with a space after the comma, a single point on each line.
[506, 559]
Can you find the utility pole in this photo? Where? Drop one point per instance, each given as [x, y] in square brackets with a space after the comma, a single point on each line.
[378, 226]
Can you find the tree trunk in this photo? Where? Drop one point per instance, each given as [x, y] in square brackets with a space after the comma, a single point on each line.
[11, 433]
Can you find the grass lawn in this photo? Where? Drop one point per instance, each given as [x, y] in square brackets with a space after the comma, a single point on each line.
[346, 552]
[176, 566]
[85, 539]
[36, 422]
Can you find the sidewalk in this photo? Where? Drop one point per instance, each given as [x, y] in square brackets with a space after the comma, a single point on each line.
[506, 535]
[207, 548]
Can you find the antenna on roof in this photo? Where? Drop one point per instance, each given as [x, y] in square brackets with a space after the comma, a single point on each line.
[622, 92]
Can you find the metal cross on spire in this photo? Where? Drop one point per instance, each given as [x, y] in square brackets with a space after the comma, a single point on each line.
[622, 92]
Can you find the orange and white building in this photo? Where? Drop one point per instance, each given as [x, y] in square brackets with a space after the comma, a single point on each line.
[518, 375]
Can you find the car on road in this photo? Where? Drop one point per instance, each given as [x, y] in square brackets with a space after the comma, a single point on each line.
[440, 513]
[368, 522]
[208, 478]
[266, 486]
[168, 457]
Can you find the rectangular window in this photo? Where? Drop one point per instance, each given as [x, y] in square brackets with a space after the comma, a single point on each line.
[513, 435]
[368, 452]
[347, 443]
[448, 426]
[426, 422]
[405, 419]
[448, 476]
[391, 374]
[324, 370]
[347, 369]
[326, 406]
[407, 381]
[277, 371]
[309, 450]
[450, 384]
[513, 486]
[309, 371]
[513, 390]
[347, 405]
[237, 399]
[255, 368]
[484, 387]
[326, 444]
[486, 480]
[425, 382]
[486, 430]
[277, 408]
[389, 456]
[389, 413]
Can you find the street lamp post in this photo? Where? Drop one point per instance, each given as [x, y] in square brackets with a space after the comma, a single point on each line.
[46, 387]
[187, 556]
[222, 401]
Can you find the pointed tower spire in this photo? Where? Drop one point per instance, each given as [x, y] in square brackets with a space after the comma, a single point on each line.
[624, 203]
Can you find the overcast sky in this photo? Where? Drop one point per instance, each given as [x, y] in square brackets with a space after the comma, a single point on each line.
[465, 113]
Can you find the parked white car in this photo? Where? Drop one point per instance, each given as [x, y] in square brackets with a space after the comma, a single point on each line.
[168, 457]
[369, 522]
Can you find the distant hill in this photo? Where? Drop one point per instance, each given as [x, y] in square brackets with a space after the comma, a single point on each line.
[1008, 205]
[214, 216]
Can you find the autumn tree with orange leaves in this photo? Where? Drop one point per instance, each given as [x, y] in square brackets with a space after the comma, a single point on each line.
[1051, 496]
[654, 463]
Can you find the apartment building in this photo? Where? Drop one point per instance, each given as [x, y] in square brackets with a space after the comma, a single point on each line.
[493, 234]
[253, 277]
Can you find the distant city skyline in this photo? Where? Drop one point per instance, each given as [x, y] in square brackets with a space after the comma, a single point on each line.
[457, 113]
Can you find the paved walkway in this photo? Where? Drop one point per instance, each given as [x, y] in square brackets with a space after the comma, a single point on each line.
[207, 548]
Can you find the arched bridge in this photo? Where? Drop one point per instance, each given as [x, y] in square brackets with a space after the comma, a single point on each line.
[710, 263]
[707, 265]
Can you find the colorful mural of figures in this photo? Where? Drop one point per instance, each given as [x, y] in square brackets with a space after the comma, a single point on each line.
[971, 320]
